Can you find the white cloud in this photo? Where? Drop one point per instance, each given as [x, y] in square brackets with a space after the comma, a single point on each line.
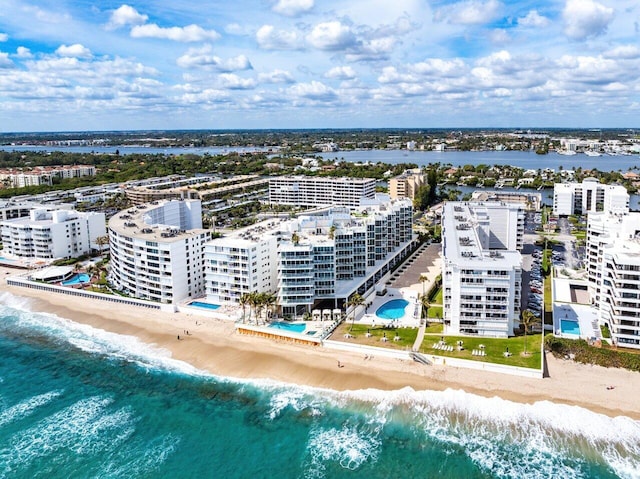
[331, 36]
[269, 38]
[190, 33]
[341, 73]
[533, 19]
[275, 76]
[126, 15]
[5, 61]
[292, 8]
[470, 12]
[23, 52]
[437, 67]
[4, 37]
[586, 18]
[231, 81]
[314, 90]
[628, 52]
[499, 35]
[204, 58]
[76, 50]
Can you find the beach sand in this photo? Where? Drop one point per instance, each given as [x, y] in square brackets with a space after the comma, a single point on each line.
[214, 346]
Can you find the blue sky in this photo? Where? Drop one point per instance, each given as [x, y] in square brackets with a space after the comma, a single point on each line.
[85, 65]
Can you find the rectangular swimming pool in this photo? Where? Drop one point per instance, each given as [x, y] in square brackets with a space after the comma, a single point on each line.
[202, 304]
[569, 327]
[291, 327]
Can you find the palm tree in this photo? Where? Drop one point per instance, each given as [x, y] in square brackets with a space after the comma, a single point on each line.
[270, 301]
[244, 300]
[528, 320]
[102, 241]
[355, 301]
[295, 238]
[424, 300]
[423, 279]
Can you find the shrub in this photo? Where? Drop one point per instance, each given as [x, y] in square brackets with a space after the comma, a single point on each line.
[583, 353]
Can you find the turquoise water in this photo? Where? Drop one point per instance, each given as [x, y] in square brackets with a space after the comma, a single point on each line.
[201, 304]
[291, 327]
[79, 278]
[393, 309]
[570, 327]
[78, 402]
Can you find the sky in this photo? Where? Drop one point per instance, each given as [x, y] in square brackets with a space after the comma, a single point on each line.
[78, 65]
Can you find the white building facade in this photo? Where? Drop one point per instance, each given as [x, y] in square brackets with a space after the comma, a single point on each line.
[590, 196]
[309, 191]
[242, 263]
[157, 251]
[52, 234]
[332, 254]
[613, 266]
[482, 267]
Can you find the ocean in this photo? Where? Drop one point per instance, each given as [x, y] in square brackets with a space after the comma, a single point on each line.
[79, 402]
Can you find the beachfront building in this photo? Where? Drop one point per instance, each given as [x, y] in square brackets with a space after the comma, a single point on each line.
[406, 185]
[157, 251]
[590, 196]
[241, 263]
[46, 234]
[482, 267]
[312, 191]
[326, 256]
[613, 267]
[530, 201]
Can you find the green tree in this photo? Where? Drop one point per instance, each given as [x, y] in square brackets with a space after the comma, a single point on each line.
[355, 301]
[528, 321]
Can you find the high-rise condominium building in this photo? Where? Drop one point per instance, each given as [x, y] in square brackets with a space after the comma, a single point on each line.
[482, 267]
[312, 191]
[613, 266]
[157, 251]
[47, 235]
[590, 196]
[331, 254]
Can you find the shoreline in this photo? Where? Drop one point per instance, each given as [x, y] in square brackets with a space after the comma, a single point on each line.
[215, 347]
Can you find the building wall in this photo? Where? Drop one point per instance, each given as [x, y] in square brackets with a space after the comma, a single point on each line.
[320, 191]
[482, 268]
[590, 196]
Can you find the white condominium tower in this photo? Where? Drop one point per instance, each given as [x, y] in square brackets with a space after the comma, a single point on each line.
[590, 196]
[613, 264]
[482, 267]
[331, 254]
[48, 235]
[312, 191]
[157, 251]
[243, 262]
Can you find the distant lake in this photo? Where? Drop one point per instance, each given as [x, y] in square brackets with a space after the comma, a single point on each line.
[521, 159]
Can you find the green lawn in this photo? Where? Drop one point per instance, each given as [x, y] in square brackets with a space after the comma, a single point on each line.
[434, 328]
[434, 312]
[494, 348]
[359, 333]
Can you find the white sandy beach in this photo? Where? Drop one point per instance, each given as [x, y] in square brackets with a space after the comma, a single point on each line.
[213, 345]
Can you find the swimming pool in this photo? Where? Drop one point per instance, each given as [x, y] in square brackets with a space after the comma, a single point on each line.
[393, 309]
[202, 304]
[291, 327]
[79, 278]
[569, 327]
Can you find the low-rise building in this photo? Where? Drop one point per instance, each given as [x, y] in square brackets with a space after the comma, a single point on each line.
[406, 185]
